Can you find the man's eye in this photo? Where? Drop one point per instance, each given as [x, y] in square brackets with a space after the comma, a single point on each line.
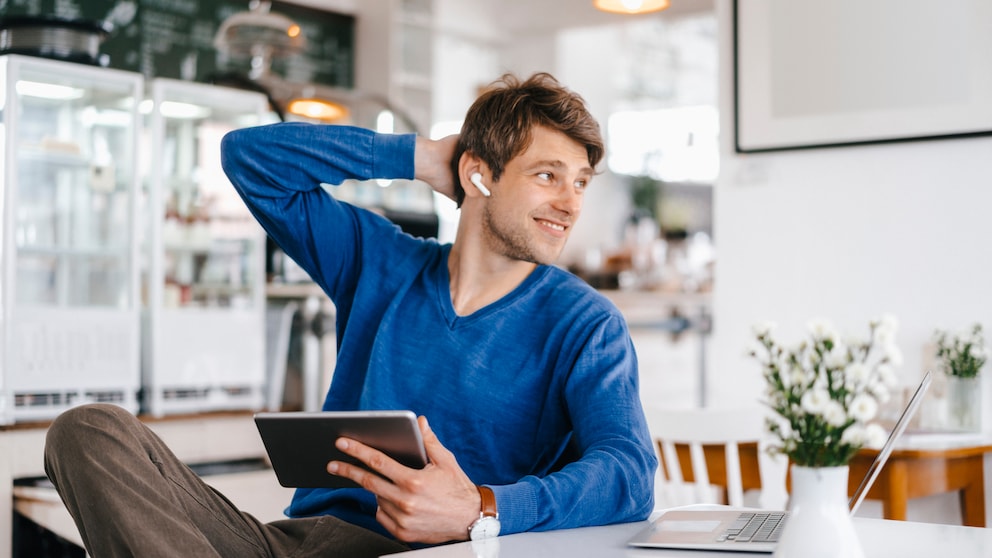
[544, 175]
[581, 184]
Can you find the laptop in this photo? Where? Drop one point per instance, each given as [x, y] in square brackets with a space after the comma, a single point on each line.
[755, 530]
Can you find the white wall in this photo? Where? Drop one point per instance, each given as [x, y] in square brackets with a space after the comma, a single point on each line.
[849, 234]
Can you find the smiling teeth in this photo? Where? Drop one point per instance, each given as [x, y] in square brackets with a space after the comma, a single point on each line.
[555, 226]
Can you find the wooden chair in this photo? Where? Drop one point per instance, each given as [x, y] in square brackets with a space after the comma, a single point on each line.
[706, 448]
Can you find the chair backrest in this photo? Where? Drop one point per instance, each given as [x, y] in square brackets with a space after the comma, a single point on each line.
[707, 447]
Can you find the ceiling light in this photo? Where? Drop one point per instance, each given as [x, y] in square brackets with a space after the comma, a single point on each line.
[317, 109]
[243, 32]
[631, 6]
[260, 35]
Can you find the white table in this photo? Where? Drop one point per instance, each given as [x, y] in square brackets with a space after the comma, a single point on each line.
[879, 538]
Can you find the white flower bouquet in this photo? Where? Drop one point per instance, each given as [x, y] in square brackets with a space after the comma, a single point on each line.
[826, 391]
[962, 354]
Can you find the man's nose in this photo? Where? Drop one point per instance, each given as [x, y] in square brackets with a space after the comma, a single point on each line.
[569, 200]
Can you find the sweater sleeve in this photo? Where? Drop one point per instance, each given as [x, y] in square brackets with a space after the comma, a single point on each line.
[280, 171]
[612, 480]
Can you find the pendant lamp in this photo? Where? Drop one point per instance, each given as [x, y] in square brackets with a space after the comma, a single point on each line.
[630, 6]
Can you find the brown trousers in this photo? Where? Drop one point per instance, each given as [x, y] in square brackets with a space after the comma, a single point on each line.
[131, 496]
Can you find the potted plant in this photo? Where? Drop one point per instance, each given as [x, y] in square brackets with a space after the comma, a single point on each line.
[825, 393]
[961, 357]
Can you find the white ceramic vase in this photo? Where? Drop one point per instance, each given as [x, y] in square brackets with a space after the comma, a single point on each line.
[819, 523]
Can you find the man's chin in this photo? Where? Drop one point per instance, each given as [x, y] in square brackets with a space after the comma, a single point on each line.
[549, 258]
[535, 253]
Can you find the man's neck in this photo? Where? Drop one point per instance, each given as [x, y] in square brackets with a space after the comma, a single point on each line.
[478, 277]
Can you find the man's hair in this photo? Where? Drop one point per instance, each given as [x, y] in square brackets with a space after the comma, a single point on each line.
[498, 125]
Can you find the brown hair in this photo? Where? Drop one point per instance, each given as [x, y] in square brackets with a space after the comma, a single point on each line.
[498, 125]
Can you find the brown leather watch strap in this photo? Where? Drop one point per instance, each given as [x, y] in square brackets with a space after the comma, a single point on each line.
[488, 501]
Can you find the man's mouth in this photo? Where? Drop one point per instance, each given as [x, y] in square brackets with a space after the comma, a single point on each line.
[552, 225]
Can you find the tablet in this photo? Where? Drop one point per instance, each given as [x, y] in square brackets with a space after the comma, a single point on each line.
[300, 444]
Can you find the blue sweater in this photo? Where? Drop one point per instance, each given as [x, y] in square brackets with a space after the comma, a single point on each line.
[536, 394]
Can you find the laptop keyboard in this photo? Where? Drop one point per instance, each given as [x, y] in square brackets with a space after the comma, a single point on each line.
[755, 527]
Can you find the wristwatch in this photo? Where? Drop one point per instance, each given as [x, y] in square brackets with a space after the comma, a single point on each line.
[487, 526]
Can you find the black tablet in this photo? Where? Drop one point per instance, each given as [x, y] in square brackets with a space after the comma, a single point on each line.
[300, 444]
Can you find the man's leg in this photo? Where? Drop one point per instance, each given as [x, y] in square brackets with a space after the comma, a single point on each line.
[130, 496]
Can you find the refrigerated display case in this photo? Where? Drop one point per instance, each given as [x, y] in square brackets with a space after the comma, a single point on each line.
[204, 320]
[69, 304]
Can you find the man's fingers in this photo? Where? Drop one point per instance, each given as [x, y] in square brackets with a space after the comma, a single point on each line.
[436, 453]
[373, 459]
[362, 477]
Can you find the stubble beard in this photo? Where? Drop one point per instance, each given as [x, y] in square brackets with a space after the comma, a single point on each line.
[512, 243]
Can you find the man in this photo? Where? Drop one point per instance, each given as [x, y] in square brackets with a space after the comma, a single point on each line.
[526, 375]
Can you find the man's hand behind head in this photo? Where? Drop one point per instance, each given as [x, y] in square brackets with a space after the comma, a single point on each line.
[432, 163]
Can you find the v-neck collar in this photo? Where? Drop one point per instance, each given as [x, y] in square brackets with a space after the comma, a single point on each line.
[443, 282]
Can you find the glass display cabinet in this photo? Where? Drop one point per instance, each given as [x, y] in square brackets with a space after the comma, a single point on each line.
[204, 320]
[69, 304]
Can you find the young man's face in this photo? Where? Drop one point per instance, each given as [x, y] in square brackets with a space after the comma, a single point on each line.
[538, 198]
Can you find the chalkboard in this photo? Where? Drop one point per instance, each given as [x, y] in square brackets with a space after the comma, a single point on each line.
[174, 38]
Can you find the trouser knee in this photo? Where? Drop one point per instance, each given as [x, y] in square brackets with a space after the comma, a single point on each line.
[74, 429]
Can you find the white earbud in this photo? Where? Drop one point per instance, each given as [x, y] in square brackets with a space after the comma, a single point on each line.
[476, 179]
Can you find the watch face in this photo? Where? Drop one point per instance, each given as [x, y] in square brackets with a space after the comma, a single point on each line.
[484, 528]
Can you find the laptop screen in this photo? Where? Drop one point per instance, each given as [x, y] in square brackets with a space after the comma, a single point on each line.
[883, 455]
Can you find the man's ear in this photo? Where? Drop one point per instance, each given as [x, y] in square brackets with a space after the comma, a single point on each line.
[471, 170]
